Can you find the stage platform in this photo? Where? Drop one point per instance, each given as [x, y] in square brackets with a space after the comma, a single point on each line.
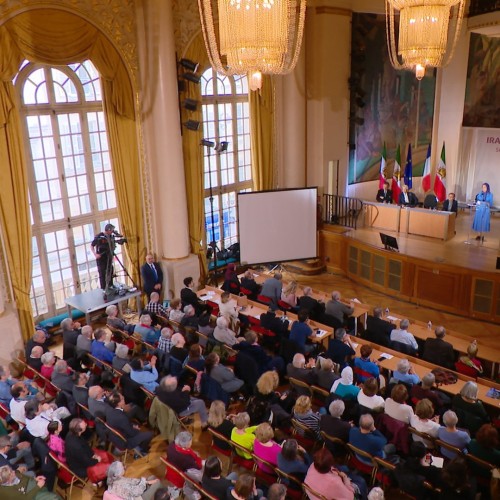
[448, 275]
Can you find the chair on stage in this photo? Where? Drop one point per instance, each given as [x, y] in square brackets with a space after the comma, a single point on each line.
[430, 202]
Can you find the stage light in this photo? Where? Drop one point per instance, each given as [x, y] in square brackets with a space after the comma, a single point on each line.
[191, 77]
[192, 125]
[190, 104]
[207, 142]
[189, 65]
[222, 146]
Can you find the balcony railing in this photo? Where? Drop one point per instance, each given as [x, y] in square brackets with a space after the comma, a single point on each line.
[478, 7]
[341, 210]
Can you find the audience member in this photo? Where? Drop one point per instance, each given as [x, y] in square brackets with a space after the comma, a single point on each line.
[277, 491]
[486, 447]
[99, 349]
[145, 330]
[364, 367]
[16, 484]
[223, 375]
[114, 321]
[396, 406]
[367, 438]
[301, 370]
[38, 338]
[180, 400]
[195, 358]
[368, 397]
[248, 282]
[223, 333]
[231, 282]
[48, 361]
[130, 487]
[293, 459]
[438, 351]
[16, 453]
[228, 307]
[178, 350]
[62, 376]
[189, 320]
[37, 418]
[84, 341]
[303, 413]
[307, 302]
[251, 347]
[213, 481]
[451, 435]
[176, 313]
[277, 325]
[146, 375]
[338, 309]
[244, 489]
[324, 478]
[344, 386]
[404, 373]
[378, 330]
[455, 481]
[289, 294]
[121, 359]
[219, 422]
[34, 361]
[165, 340]
[301, 332]
[265, 447]
[80, 390]
[424, 421]
[425, 390]
[340, 348]
[70, 332]
[469, 364]
[325, 372]
[402, 335]
[6, 383]
[20, 396]
[470, 411]
[155, 308]
[333, 425]
[243, 434]
[272, 288]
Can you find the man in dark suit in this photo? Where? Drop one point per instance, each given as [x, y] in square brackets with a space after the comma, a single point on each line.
[152, 275]
[314, 307]
[451, 205]
[407, 198]
[189, 297]
[333, 425]
[377, 329]
[301, 370]
[118, 420]
[384, 195]
[438, 351]
[271, 322]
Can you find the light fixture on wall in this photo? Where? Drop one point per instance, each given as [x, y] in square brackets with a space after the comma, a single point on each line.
[428, 32]
[254, 36]
[192, 125]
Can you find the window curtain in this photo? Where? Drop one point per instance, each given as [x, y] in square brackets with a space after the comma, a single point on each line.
[193, 159]
[262, 134]
[54, 36]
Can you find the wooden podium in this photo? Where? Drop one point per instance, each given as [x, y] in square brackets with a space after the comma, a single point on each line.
[382, 216]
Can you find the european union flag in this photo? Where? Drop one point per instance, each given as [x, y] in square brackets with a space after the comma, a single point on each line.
[408, 176]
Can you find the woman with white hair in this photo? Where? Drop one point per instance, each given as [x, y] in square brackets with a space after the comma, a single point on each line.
[404, 373]
[48, 361]
[451, 435]
[222, 332]
[121, 359]
[470, 411]
[344, 386]
[130, 488]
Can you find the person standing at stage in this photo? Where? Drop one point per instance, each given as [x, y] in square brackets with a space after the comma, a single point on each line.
[484, 200]
[152, 276]
[407, 198]
[384, 195]
[450, 205]
[103, 248]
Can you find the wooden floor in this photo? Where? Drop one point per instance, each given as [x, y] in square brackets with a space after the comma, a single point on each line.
[476, 255]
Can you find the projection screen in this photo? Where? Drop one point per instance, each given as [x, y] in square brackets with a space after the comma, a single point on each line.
[276, 226]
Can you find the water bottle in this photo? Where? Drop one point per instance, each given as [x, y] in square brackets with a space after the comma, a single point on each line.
[429, 325]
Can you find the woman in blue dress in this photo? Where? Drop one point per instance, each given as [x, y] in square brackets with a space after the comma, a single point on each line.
[484, 200]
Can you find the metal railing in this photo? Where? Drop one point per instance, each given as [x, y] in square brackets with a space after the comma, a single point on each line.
[478, 7]
[341, 210]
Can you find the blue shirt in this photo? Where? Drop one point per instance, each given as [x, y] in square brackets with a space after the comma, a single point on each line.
[149, 335]
[149, 379]
[460, 439]
[300, 333]
[365, 369]
[372, 442]
[338, 351]
[99, 351]
[406, 378]
[5, 395]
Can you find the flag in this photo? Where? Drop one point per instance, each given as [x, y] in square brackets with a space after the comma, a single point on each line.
[408, 177]
[440, 180]
[383, 168]
[396, 177]
[426, 179]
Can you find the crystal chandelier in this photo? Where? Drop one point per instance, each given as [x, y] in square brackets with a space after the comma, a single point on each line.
[254, 36]
[427, 30]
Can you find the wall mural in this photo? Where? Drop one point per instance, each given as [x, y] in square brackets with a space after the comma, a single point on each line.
[482, 93]
[386, 105]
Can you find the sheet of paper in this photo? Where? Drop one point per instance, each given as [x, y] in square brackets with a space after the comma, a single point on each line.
[391, 318]
[321, 333]
[386, 355]
[205, 297]
[356, 300]
[354, 345]
[437, 462]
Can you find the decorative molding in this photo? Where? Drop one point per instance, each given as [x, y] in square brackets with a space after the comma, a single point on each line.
[187, 23]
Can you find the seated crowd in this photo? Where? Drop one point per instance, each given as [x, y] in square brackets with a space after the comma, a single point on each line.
[334, 415]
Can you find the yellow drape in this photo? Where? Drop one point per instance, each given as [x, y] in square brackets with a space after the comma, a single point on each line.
[58, 37]
[193, 160]
[262, 134]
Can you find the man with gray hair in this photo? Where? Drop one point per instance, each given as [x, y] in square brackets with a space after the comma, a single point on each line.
[314, 307]
[425, 391]
[333, 425]
[38, 338]
[62, 377]
[12, 452]
[272, 288]
[155, 308]
[338, 309]
[367, 438]
[303, 371]
[180, 400]
[340, 348]
[449, 434]
[181, 455]
[404, 373]
[84, 341]
[438, 351]
[189, 319]
[70, 332]
[378, 330]
[114, 321]
[402, 335]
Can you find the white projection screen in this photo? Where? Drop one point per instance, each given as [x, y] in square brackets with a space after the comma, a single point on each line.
[276, 226]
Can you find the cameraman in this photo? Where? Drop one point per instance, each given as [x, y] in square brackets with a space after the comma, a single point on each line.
[103, 247]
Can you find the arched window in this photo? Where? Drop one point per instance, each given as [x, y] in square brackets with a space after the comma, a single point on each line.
[225, 118]
[71, 187]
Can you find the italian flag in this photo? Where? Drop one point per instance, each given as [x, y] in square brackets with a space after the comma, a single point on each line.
[396, 177]
[440, 181]
[383, 173]
[426, 179]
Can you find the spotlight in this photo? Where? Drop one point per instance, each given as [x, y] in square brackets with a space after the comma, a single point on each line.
[190, 104]
[189, 65]
[191, 77]
[222, 146]
[207, 142]
[192, 125]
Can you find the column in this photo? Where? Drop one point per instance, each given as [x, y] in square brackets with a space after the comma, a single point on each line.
[163, 142]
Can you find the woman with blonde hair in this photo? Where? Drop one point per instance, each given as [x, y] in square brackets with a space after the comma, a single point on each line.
[289, 294]
[469, 364]
[424, 421]
[243, 434]
[265, 447]
[302, 412]
[221, 423]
